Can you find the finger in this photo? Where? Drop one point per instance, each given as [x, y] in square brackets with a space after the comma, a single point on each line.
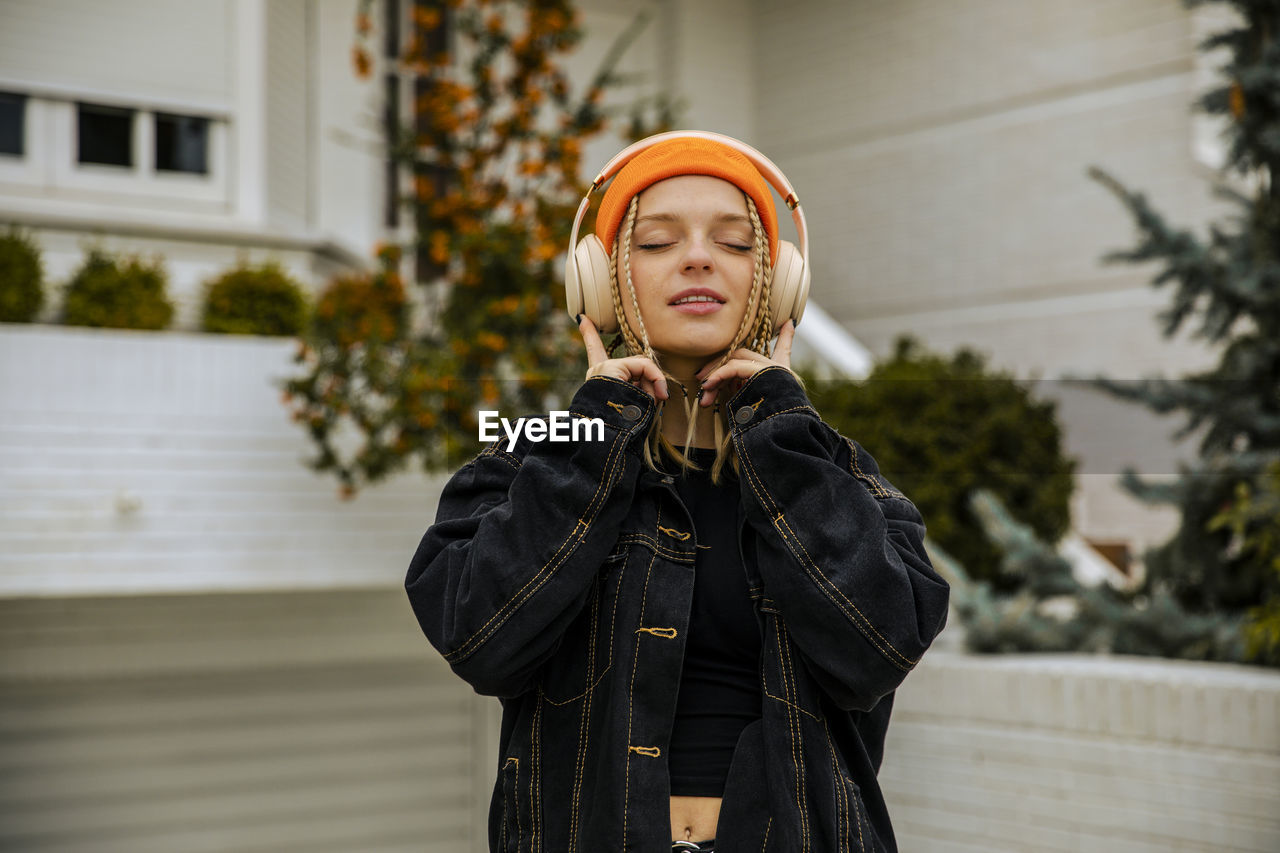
[657, 382]
[730, 368]
[596, 352]
[644, 374]
[782, 351]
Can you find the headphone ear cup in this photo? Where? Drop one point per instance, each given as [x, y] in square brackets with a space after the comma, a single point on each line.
[789, 290]
[593, 296]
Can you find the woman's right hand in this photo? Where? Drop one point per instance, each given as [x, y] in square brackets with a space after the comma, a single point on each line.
[636, 370]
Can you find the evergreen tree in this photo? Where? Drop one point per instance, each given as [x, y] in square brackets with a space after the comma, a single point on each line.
[1227, 286]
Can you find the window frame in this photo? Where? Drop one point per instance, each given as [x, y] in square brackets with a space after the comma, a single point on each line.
[23, 100]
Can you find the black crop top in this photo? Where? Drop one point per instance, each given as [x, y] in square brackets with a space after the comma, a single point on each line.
[720, 683]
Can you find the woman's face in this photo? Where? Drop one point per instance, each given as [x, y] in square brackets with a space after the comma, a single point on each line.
[692, 238]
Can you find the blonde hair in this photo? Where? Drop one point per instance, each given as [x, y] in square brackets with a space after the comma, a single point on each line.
[752, 335]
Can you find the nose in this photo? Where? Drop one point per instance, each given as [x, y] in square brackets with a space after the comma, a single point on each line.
[698, 255]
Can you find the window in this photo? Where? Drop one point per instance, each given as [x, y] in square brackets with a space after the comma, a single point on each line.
[13, 110]
[105, 135]
[182, 143]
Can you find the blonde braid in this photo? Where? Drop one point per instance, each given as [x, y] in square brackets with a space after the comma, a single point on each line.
[758, 333]
[764, 323]
[629, 229]
[748, 330]
[624, 236]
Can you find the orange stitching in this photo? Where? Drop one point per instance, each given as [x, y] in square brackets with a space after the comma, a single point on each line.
[615, 406]
[674, 534]
[516, 601]
[612, 625]
[768, 826]
[771, 415]
[826, 582]
[792, 722]
[515, 793]
[498, 453]
[791, 705]
[631, 689]
[651, 751]
[802, 787]
[872, 483]
[857, 814]
[593, 627]
[655, 545]
[664, 633]
[842, 814]
[535, 777]
[870, 627]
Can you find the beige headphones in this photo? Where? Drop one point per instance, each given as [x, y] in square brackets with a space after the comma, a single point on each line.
[586, 269]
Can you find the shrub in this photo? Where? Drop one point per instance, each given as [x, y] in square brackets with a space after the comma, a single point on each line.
[1253, 519]
[118, 294]
[21, 278]
[940, 429]
[353, 310]
[247, 300]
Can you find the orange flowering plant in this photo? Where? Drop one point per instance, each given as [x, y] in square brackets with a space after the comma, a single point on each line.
[494, 151]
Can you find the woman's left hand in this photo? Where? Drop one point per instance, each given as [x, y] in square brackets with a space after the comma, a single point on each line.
[742, 365]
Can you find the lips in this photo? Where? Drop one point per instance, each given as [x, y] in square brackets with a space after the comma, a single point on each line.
[697, 296]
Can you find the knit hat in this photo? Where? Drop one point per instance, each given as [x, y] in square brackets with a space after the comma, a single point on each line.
[685, 156]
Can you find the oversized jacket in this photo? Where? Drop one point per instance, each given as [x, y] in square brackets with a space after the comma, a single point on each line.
[558, 576]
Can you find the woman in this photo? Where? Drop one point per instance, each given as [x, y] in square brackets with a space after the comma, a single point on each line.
[695, 625]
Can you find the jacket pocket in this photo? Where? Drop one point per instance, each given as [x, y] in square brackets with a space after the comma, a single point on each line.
[585, 652]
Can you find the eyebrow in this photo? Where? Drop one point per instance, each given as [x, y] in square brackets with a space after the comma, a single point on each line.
[671, 217]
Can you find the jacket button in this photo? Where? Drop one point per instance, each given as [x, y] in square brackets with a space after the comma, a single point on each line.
[744, 414]
[632, 412]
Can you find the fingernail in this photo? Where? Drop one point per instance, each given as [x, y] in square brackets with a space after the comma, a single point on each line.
[663, 384]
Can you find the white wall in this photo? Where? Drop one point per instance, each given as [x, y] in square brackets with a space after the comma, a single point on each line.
[940, 151]
[144, 462]
[1047, 753]
[298, 721]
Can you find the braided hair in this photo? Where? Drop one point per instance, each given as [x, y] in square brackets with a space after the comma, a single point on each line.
[754, 332]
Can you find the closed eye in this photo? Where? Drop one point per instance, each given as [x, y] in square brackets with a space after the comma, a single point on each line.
[654, 245]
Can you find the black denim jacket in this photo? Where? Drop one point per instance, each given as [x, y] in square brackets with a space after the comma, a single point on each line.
[559, 577]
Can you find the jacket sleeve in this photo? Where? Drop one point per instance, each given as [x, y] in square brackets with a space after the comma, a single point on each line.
[841, 552]
[519, 537]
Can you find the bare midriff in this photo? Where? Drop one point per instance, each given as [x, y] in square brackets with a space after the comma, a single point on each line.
[694, 818]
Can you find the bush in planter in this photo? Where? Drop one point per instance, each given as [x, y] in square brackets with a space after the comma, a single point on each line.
[940, 429]
[21, 278]
[262, 300]
[118, 293]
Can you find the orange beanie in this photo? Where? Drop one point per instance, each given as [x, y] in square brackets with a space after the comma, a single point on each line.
[685, 156]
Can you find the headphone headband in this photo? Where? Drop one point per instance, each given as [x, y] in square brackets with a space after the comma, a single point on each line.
[763, 164]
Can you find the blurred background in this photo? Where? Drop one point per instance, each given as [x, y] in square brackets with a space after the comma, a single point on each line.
[220, 219]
